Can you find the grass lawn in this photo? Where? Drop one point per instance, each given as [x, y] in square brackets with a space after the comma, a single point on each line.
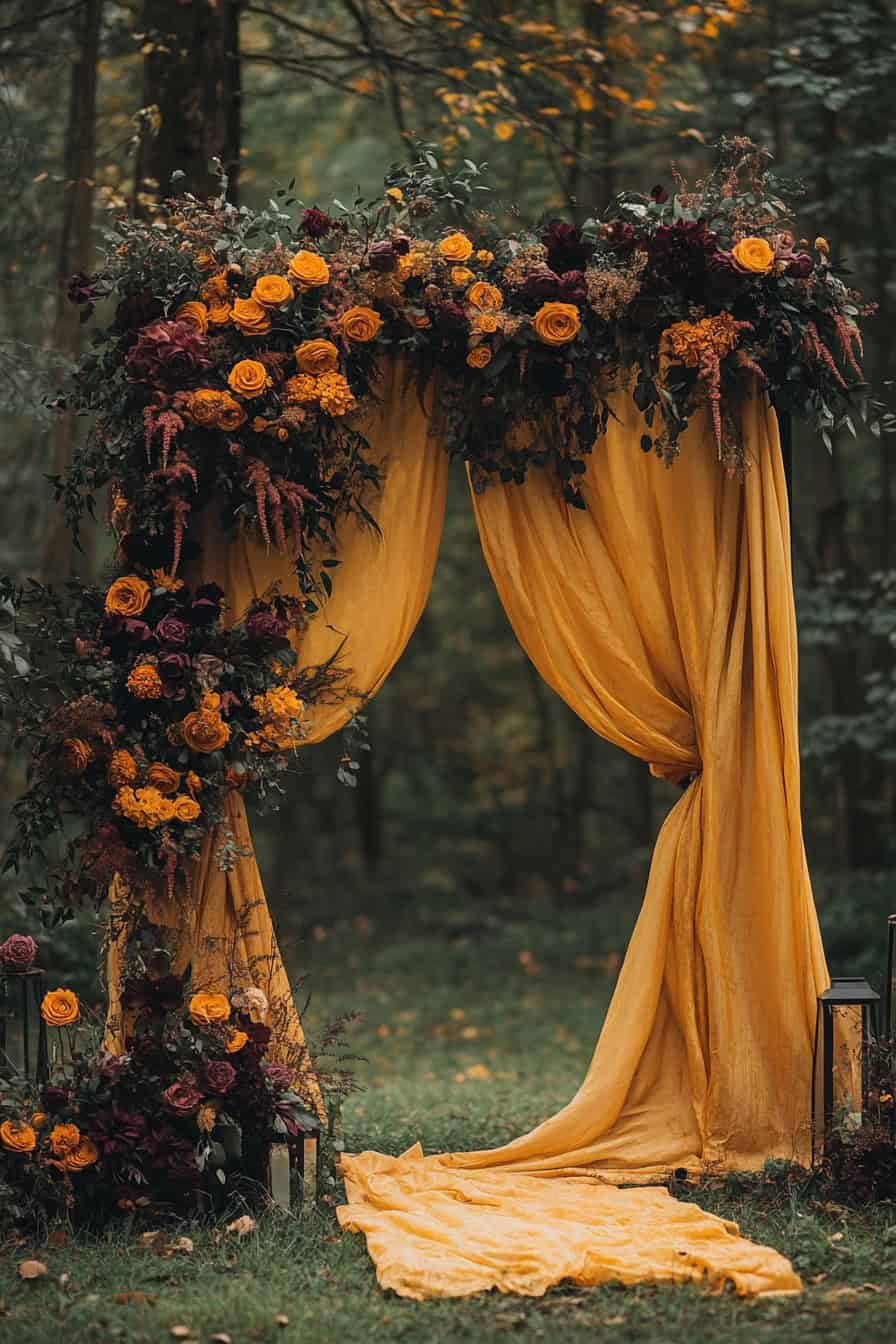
[471, 1033]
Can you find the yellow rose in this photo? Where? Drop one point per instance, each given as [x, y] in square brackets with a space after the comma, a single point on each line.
[248, 378]
[185, 809]
[84, 1155]
[478, 358]
[753, 254]
[60, 1008]
[360, 324]
[128, 596]
[250, 317]
[17, 1137]
[195, 314]
[309, 270]
[163, 778]
[317, 357]
[557, 323]
[273, 290]
[64, 1139]
[456, 247]
[488, 298]
[206, 1009]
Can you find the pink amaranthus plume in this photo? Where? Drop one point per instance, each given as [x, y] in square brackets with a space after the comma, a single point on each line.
[702, 346]
[272, 493]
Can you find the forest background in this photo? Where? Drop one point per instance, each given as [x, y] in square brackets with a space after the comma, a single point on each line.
[483, 801]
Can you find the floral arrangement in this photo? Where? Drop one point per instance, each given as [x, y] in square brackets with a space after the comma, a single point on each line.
[142, 710]
[193, 1100]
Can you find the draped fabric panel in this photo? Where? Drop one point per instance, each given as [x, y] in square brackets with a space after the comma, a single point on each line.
[224, 932]
[663, 614]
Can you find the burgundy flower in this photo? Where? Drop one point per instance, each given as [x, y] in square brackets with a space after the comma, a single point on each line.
[659, 194]
[173, 668]
[168, 355]
[160, 996]
[620, 234]
[172, 630]
[722, 273]
[117, 1129]
[54, 1099]
[800, 266]
[208, 669]
[382, 257]
[82, 289]
[453, 316]
[18, 952]
[183, 1097]
[572, 287]
[401, 244]
[679, 252]
[212, 592]
[204, 612]
[567, 249]
[279, 1076]
[541, 282]
[264, 626]
[138, 310]
[219, 1075]
[316, 223]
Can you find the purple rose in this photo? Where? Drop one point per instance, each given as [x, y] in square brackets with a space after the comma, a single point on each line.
[567, 249]
[219, 1075]
[173, 630]
[316, 223]
[173, 668]
[54, 1099]
[541, 282]
[168, 355]
[183, 1097]
[572, 287]
[263, 625]
[18, 952]
[382, 257]
[280, 1076]
[800, 266]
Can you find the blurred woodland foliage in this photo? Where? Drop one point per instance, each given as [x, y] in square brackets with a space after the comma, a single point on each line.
[482, 792]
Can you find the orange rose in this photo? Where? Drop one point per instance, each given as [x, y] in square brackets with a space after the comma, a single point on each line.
[231, 415]
[236, 1042]
[309, 270]
[64, 1139]
[248, 378]
[272, 290]
[557, 323]
[60, 1008]
[215, 290]
[39, 1119]
[122, 769]
[753, 254]
[460, 276]
[419, 321]
[144, 682]
[488, 298]
[193, 782]
[17, 1137]
[205, 406]
[163, 778]
[194, 314]
[219, 314]
[128, 596]
[83, 1156]
[317, 357]
[478, 358]
[250, 317]
[484, 323]
[360, 324]
[76, 755]
[185, 809]
[456, 247]
[204, 730]
[484, 257]
[206, 1009]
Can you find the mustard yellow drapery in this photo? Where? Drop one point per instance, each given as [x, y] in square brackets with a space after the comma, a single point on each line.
[224, 932]
[663, 614]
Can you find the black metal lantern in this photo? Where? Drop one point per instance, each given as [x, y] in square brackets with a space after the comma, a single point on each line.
[23, 1031]
[845, 1025]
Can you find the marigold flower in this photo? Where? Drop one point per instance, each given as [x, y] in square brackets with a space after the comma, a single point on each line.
[334, 394]
[249, 378]
[360, 324]
[162, 579]
[692, 342]
[204, 730]
[64, 1139]
[456, 247]
[206, 1008]
[144, 682]
[479, 357]
[84, 1155]
[163, 778]
[280, 711]
[484, 257]
[273, 290]
[300, 390]
[557, 323]
[395, 194]
[206, 1118]
[17, 1136]
[205, 406]
[60, 1008]
[754, 254]
[195, 314]
[122, 769]
[317, 357]
[488, 298]
[250, 317]
[76, 755]
[186, 809]
[309, 270]
[127, 596]
[145, 807]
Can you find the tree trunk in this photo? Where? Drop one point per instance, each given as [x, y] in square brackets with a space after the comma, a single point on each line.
[75, 254]
[191, 98]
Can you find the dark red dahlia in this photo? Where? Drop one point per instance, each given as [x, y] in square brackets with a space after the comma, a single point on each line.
[264, 627]
[572, 287]
[316, 223]
[541, 282]
[54, 1099]
[679, 252]
[453, 316]
[219, 1075]
[567, 249]
[168, 355]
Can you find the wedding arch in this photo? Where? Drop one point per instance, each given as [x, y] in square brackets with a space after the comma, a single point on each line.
[273, 408]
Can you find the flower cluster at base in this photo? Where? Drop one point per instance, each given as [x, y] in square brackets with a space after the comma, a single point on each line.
[193, 1104]
[245, 345]
[142, 710]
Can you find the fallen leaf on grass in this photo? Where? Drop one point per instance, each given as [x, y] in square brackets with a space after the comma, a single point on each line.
[220, 1338]
[135, 1299]
[242, 1226]
[182, 1246]
[282, 1319]
[32, 1269]
[182, 1332]
[57, 1239]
